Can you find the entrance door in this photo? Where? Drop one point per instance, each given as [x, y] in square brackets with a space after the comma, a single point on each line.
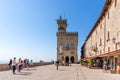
[67, 59]
[72, 59]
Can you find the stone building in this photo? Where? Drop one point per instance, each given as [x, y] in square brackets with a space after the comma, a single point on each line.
[67, 43]
[104, 38]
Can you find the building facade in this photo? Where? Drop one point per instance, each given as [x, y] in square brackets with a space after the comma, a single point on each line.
[104, 38]
[67, 43]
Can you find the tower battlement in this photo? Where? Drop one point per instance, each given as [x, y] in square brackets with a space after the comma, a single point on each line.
[72, 33]
[67, 33]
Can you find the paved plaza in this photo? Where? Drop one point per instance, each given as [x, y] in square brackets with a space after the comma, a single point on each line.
[74, 72]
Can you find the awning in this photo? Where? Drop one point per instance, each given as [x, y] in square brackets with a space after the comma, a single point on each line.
[84, 59]
[117, 52]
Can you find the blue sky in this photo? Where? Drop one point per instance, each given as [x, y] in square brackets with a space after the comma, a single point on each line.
[28, 27]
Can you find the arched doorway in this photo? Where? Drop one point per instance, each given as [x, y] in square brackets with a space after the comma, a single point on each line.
[72, 59]
[67, 59]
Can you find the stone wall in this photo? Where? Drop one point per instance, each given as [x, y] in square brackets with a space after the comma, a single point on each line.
[6, 66]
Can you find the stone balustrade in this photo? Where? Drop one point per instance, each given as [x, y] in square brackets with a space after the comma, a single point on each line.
[6, 66]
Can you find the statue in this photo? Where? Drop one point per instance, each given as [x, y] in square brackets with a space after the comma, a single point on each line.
[60, 49]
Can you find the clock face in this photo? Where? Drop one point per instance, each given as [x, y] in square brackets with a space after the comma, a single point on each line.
[62, 30]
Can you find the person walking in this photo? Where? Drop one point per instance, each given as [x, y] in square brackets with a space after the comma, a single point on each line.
[26, 62]
[14, 65]
[10, 64]
[19, 65]
[111, 65]
[63, 63]
[57, 64]
[105, 66]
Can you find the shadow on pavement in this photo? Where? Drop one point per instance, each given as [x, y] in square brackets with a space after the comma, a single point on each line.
[61, 69]
[24, 73]
[30, 69]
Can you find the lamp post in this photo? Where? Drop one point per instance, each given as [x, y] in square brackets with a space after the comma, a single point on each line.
[116, 40]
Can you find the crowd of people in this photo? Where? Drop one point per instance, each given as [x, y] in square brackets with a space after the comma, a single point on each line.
[18, 65]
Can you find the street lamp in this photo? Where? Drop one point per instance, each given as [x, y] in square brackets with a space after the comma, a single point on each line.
[117, 40]
[114, 40]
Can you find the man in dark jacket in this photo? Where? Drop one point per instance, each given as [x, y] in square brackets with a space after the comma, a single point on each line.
[57, 64]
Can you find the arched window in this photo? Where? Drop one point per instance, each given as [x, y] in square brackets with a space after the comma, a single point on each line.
[61, 30]
[62, 45]
[72, 45]
[67, 45]
[108, 14]
[100, 42]
[115, 3]
[101, 26]
[108, 36]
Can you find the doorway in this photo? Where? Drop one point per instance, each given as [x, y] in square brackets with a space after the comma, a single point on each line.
[72, 59]
[67, 59]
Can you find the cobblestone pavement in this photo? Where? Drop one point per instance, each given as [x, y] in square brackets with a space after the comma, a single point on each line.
[74, 72]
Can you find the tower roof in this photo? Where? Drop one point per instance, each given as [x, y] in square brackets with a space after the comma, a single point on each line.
[61, 20]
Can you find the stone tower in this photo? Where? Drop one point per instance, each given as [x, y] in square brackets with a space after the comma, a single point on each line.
[67, 43]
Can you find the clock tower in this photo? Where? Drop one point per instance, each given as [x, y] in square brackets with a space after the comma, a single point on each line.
[67, 43]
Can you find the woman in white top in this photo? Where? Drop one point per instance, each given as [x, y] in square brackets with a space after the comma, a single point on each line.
[14, 65]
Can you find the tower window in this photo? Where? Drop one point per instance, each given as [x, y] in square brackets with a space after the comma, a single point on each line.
[100, 42]
[96, 31]
[108, 15]
[101, 26]
[115, 3]
[62, 45]
[72, 45]
[108, 36]
[96, 44]
[61, 30]
[108, 49]
[100, 51]
[115, 46]
[67, 45]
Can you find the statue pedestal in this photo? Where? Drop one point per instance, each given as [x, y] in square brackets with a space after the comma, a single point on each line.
[60, 59]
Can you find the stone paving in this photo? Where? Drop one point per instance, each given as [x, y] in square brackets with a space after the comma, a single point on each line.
[74, 72]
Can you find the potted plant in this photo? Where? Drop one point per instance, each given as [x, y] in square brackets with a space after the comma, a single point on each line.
[89, 63]
[118, 67]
